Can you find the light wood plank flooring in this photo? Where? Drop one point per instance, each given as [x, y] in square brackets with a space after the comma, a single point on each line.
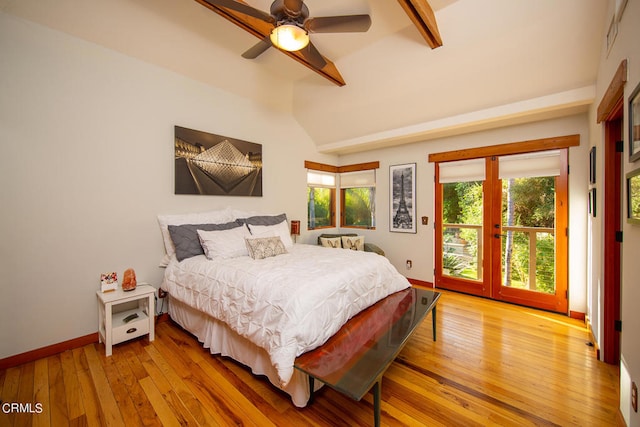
[493, 364]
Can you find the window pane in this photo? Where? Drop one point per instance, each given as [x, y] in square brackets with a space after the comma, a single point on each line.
[320, 203]
[462, 213]
[359, 207]
[528, 227]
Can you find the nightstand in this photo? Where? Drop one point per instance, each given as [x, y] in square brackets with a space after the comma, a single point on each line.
[116, 326]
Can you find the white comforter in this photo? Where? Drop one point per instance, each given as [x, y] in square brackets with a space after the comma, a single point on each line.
[288, 304]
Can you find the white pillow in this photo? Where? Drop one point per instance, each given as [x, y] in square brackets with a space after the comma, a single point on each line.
[224, 243]
[281, 230]
[355, 243]
[210, 217]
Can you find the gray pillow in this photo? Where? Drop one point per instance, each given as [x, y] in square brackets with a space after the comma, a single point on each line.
[186, 241]
[263, 219]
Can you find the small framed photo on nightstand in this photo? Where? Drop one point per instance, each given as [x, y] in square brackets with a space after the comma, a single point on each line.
[109, 281]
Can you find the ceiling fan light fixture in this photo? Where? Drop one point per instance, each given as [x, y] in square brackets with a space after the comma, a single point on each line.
[289, 37]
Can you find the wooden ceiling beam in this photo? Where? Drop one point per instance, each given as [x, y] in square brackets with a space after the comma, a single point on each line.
[424, 19]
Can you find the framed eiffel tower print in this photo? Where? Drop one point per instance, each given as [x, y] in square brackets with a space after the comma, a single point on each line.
[402, 198]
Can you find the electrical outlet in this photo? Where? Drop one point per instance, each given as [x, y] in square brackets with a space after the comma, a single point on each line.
[162, 293]
[409, 264]
[634, 396]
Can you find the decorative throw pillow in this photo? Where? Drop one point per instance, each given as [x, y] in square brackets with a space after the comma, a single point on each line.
[185, 237]
[281, 229]
[331, 242]
[224, 243]
[265, 247]
[355, 243]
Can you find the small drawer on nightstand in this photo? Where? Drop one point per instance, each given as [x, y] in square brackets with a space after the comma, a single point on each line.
[135, 327]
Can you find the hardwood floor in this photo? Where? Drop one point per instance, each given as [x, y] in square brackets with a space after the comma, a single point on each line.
[493, 364]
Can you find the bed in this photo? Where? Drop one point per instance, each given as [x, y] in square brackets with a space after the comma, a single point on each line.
[256, 297]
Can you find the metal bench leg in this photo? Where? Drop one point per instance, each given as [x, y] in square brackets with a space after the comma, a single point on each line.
[376, 403]
[433, 319]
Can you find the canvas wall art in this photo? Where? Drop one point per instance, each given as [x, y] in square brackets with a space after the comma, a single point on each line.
[211, 164]
[403, 198]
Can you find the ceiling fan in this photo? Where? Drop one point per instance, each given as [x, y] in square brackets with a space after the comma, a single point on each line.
[287, 27]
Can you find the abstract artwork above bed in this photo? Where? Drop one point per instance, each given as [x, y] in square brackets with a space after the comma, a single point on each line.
[211, 164]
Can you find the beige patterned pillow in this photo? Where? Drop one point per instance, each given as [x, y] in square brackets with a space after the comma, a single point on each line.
[331, 242]
[265, 247]
[355, 243]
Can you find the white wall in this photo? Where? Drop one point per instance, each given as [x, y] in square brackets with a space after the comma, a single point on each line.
[624, 47]
[418, 247]
[87, 165]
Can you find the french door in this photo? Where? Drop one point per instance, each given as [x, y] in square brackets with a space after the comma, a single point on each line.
[501, 228]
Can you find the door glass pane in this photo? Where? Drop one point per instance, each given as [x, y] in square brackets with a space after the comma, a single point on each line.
[528, 233]
[462, 211]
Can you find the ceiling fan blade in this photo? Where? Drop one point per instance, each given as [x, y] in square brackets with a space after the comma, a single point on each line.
[257, 49]
[313, 56]
[242, 8]
[338, 24]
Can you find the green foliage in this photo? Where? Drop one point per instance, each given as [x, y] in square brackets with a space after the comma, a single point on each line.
[453, 263]
[634, 202]
[545, 267]
[462, 202]
[533, 206]
[319, 206]
[359, 206]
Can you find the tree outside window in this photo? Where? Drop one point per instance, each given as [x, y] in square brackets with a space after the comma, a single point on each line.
[321, 211]
[357, 185]
[358, 205]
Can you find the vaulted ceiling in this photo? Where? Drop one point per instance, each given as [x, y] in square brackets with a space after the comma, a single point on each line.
[502, 61]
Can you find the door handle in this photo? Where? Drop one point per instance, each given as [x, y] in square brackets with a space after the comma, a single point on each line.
[497, 236]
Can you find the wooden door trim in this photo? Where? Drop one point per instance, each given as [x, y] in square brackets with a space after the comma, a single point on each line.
[522, 147]
[612, 223]
[495, 247]
[614, 92]
[562, 235]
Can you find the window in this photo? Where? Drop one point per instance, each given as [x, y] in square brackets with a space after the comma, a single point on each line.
[357, 195]
[321, 190]
[357, 199]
